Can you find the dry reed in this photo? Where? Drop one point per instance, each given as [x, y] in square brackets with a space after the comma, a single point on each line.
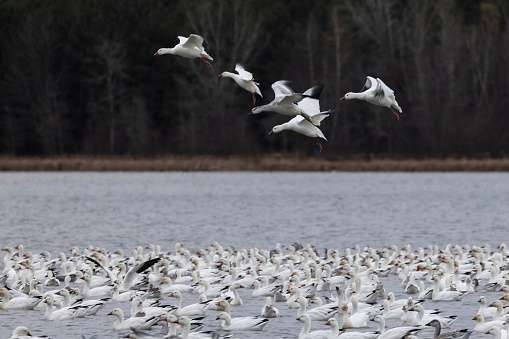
[274, 162]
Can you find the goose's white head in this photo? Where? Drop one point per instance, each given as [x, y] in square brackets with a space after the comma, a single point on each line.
[162, 51]
[348, 96]
[257, 109]
[277, 129]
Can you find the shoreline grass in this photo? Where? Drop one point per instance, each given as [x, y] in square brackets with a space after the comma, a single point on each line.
[274, 162]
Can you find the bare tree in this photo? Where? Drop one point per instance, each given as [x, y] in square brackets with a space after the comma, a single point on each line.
[35, 82]
[108, 91]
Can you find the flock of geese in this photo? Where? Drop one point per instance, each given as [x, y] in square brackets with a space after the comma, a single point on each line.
[303, 107]
[342, 290]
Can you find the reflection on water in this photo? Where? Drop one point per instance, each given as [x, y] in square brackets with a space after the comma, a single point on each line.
[54, 211]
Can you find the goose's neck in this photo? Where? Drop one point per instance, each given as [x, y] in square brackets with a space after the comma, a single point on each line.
[334, 328]
[185, 330]
[228, 75]
[359, 96]
[166, 51]
[49, 311]
[227, 320]
[437, 331]
[305, 329]
[381, 325]
[178, 302]
[302, 308]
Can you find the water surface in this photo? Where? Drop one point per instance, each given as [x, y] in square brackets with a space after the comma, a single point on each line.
[54, 211]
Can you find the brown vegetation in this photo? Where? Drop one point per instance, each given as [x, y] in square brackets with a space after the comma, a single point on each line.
[275, 162]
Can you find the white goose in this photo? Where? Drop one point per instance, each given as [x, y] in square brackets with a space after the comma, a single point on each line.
[482, 326]
[27, 303]
[487, 312]
[317, 313]
[395, 332]
[122, 324]
[241, 324]
[307, 123]
[60, 314]
[268, 310]
[264, 291]
[166, 286]
[376, 92]
[285, 100]
[335, 333]
[198, 309]
[186, 333]
[244, 79]
[305, 331]
[21, 332]
[100, 291]
[352, 322]
[423, 317]
[496, 332]
[191, 47]
[445, 294]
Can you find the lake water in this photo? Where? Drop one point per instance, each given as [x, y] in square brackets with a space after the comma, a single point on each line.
[54, 211]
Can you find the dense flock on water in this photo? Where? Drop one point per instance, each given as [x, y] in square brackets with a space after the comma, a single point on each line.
[153, 283]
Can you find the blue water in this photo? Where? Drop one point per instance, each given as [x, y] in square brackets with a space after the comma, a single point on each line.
[54, 211]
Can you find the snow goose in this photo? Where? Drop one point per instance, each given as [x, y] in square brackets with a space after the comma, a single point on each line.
[465, 286]
[59, 314]
[387, 313]
[27, 303]
[241, 324]
[487, 312]
[305, 331]
[190, 47]
[376, 92]
[285, 100]
[482, 326]
[497, 333]
[147, 309]
[211, 291]
[395, 332]
[234, 294]
[166, 286]
[225, 306]
[268, 310]
[317, 313]
[457, 334]
[198, 309]
[264, 291]
[424, 317]
[186, 333]
[21, 332]
[445, 294]
[169, 325]
[122, 324]
[353, 322]
[500, 312]
[100, 291]
[307, 123]
[90, 306]
[244, 79]
[129, 278]
[335, 333]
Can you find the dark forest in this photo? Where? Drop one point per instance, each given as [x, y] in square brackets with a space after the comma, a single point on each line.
[80, 77]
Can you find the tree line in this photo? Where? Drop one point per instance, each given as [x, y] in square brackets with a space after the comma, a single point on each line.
[80, 77]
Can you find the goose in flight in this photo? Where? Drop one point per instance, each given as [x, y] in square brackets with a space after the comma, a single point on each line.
[244, 79]
[376, 92]
[191, 47]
